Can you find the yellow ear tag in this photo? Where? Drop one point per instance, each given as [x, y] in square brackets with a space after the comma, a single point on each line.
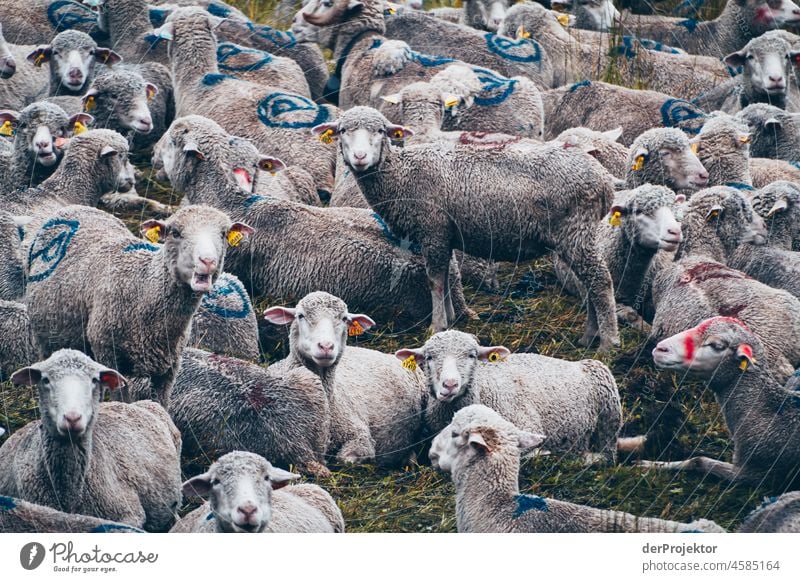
[615, 219]
[713, 214]
[234, 238]
[743, 365]
[6, 128]
[355, 329]
[90, 103]
[398, 134]
[494, 357]
[153, 234]
[326, 136]
[410, 363]
[744, 139]
[451, 102]
[37, 62]
[391, 10]
[79, 128]
[563, 19]
[638, 164]
[522, 33]
[694, 148]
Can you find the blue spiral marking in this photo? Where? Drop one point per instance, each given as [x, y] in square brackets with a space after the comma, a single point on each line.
[522, 50]
[430, 60]
[575, 86]
[50, 247]
[496, 88]
[275, 106]
[7, 503]
[222, 289]
[218, 10]
[527, 503]
[69, 19]
[140, 246]
[277, 37]
[227, 50]
[112, 527]
[674, 112]
[689, 24]
[212, 79]
[739, 186]
[157, 16]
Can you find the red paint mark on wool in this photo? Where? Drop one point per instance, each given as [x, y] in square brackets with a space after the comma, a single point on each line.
[705, 271]
[688, 347]
[764, 14]
[746, 350]
[487, 140]
[256, 397]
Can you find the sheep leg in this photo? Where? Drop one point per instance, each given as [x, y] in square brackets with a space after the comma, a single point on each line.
[438, 312]
[161, 387]
[448, 301]
[705, 465]
[627, 315]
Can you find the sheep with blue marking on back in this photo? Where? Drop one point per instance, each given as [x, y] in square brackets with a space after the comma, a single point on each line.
[257, 66]
[20, 516]
[481, 450]
[665, 156]
[38, 21]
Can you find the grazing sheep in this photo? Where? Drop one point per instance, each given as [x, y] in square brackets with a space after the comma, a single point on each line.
[576, 404]
[142, 335]
[19, 516]
[246, 494]
[257, 66]
[481, 450]
[598, 105]
[376, 404]
[761, 415]
[79, 457]
[221, 404]
[699, 285]
[775, 515]
[37, 21]
[665, 156]
[602, 146]
[723, 147]
[17, 346]
[542, 179]
[12, 270]
[774, 133]
[641, 223]
[276, 121]
[588, 55]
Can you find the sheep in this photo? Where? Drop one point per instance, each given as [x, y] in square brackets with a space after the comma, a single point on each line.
[481, 450]
[598, 15]
[40, 134]
[225, 322]
[740, 22]
[72, 57]
[775, 515]
[257, 66]
[19, 516]
[576, 404]
[144, 334]
[665, 156]
[480, 14]
[37, 21]
[79, 457]
[21, 82]
[774, 264]
[761, 415]
[391, 274]
[774, 133]
[723, 147]
[764, 171]
[221, 404]
[275, 120]
[17, 346]
[246, 494]
[376, 405]
[602, 146]
[699, 285]
[597, 106]
[586, 55]
[12, 270]
[470, 176]
[641, 223]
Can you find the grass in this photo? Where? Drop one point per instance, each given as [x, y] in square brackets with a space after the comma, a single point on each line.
[527, 314]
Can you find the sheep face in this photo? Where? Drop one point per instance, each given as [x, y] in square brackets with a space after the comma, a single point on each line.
[70, 387]
[8, 65]
[121, 100]
[766, 63]
[602, 14]
[665, 156]
[41, 129]
[320, 325]
[719, 345]
[328, 12]
[486, 14]
[768, 14]
[649, 219]
[239, 489]
[449, 360]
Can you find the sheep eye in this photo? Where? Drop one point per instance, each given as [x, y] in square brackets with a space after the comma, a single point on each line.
[300, 316]
[428, 358]
[175, 233]
[215, 482]
[473, 356]
[344, 319]
[716, 346]
[45, 380]
[454, 434]
[749, 57]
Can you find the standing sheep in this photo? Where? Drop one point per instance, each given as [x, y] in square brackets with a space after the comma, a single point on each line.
[79, 458]
[257, 66]
[37, 21]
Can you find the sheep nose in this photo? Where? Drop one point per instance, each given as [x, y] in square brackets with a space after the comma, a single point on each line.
[75, 74]
[209, 264]
[43, 144]
[72, 419]
[326, 347]
[776, 78]
[247, 510]
[450, 384]
[674, 231]
[359, 155]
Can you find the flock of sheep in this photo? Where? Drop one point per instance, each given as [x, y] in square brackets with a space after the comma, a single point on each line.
[436, 144]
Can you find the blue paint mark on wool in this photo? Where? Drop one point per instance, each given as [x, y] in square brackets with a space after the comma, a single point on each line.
[157, 16]
[402, 243]
[7, 503]
[277, 37]
[675, 112]
[796, 164]
[66, 14]
[739, 186]
[226, 51]
[289, 111]
[212, 79]
[209, 517]
[218, 10]
[140, 246]
[250, 200]
[112, 527]
[496, 88]
[227, 287]
[575, 86]
[527, 503]
[689, 24]
[521, 50]
[50, 247]
[768, 501]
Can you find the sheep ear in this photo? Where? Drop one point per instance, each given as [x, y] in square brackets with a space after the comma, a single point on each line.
[269, 164]
[90, 99]
[398, 132]
[150, 91]
[108, 151]
[164, 32]
[154, 230]
[406, 353]
[794, 57]
[714, 212]
[359, 322]
[493, 353]
[280, 315]
[8, 121]
[613, 134]
[40, 55]
[743, 138]
[781, 204]
[279, 478]
[745, 354]
[199, 486]
[773, 122]
[107, 56]
[477, 441]
[238, 232]
[680, 198]
[191, 149]
[735, 60]
[354, 6]
[323, 128]
[529, 441]
[394, 98]
[26, 377]
[450, 100]
[79, 122]
[112, 379]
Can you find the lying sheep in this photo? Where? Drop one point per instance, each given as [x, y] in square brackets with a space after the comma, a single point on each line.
[79, 457]
[17, 346]
[576, 404]
[20, 82]
[640, 224]
[761, 415]
[246, 494]
[221, 404]
[458, 177]
[257, 66]
[598, 105]
[666, 157]
[376, 405]
[775, 515]
[481, 450]
[143, 335]
[19, 516]
[774, 133]
[699, 285]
